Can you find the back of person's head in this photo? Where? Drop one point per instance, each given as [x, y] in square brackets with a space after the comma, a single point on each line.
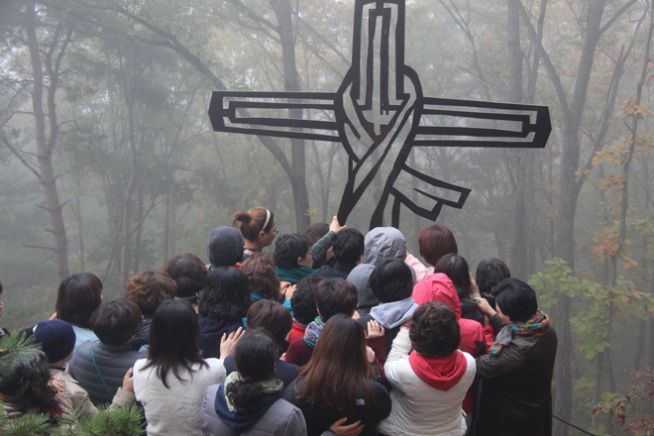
[225, 246]
[348, 247]
[456, 268]
[25, 377]
[436, 241]
[489, 273]
[516, 299]
[340, 355]
[259, 269]
[174, 339]
[437, 287]
[148, 289]
[272, 317]
[435, 330]
[116, 322]
[315, 232]
[391, 280]
[189, 274]
[226, 295]
[289, 249]
[383, 243]
[303, 301]
[78, 296]
[254, 221]
[334, 296]
[56, 337]
[255, 358]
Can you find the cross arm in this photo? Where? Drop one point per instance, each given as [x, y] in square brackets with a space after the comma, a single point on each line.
[279, 114]
[464, 123]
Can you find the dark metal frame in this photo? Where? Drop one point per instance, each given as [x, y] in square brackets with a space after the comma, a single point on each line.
[379, 113]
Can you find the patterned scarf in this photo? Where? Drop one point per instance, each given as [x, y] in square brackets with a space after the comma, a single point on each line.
[312, 332]
[538, 325]
[273, 386]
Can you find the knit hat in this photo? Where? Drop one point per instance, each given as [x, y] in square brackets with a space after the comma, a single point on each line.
[437, 287]
[57, 338]
[225, 246]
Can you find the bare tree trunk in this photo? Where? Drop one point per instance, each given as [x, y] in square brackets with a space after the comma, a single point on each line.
[46, 146]
[284, 14]
[80, 225]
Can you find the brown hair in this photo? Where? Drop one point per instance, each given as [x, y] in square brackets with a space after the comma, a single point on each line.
[435, 241]
[340, 354]
[252, 222]
[272, 317]
[148, 289]
[260, 272]
[189, 273]
[78, 296]
[116, 322]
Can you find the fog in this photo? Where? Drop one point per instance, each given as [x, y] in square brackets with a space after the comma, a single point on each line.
[109, 163]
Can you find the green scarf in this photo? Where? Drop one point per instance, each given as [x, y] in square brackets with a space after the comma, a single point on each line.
[293, 275]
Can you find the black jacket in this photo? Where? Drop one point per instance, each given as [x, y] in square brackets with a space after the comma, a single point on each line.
[514, 395]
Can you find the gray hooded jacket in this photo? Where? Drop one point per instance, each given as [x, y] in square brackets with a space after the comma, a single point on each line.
[381, 243]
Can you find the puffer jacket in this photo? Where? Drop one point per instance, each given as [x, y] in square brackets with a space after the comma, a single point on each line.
[100, 368]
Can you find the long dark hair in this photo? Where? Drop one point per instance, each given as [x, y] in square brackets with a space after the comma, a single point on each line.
[339, 368]
[174, 340]
[255, 360]
[78, 296]
[456, 268]
[227, 294]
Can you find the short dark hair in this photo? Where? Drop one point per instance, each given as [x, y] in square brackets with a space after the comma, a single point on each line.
[435, 330]
[226, 295]
[255, 358]
[78, 296]
[1, 288]
[189, 274]
[260, 271]
[435, 241]
[489, 273]
[391, 281]
[272, 317]
[289, 248]
[116, 322]
[303, 301]
[174, 341]
[335, 296]
[456, 268]
[148, 289]
[315, 232]
[348, 247]
[516, 299]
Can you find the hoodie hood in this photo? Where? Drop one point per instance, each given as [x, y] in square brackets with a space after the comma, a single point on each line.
[437, 287]
[441, 373]
[359, 277]
[394, 314]
[383, 243]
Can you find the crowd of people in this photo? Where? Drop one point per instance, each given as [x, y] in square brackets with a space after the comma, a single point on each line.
[332, 332]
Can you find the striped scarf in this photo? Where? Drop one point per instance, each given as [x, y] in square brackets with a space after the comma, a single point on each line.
[538, 325]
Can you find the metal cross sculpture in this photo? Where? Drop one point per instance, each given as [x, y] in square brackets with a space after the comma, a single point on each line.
[379, 113]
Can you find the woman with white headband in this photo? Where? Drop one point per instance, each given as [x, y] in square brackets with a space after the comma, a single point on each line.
[258, 228]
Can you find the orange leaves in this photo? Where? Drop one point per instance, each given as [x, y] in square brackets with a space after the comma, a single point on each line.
[630, 109]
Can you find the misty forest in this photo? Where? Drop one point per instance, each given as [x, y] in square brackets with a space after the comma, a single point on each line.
[109, 164]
